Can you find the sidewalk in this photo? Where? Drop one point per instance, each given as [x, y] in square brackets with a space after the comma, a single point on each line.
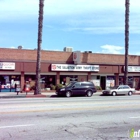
[23, 95]
[31, 95]
[42, 95]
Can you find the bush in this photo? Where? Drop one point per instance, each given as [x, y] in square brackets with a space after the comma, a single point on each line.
[59, 86]
[53, 87]
[98, 88]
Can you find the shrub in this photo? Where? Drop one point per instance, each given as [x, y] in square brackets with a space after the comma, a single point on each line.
[53, 87]
[59, 86]
[98, 88]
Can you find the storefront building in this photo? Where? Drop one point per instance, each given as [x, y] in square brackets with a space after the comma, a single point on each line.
[18, 66]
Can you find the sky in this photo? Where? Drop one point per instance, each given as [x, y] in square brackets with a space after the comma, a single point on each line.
[84, 25]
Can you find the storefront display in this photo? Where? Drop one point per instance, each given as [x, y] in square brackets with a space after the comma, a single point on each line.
[8, 82]
[65, 79]
[45, 80]
[110, 81]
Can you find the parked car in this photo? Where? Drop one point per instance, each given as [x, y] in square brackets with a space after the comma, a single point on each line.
[121, 89]
[77, 88]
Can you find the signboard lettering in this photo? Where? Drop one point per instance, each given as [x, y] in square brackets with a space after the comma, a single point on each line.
[133, 68]
[72, 67]
[7, 66]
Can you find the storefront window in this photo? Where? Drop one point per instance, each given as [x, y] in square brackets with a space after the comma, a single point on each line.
[30, 78]
[45, 80]
[15, 79]
[130, 80]
[110, 81]
[7, 82]
[65, 79]
[95, 79]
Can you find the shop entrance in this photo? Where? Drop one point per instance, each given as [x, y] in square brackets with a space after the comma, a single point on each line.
[136, 83]
[103, 82]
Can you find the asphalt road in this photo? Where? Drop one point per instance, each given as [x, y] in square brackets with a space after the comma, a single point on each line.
[75, 118]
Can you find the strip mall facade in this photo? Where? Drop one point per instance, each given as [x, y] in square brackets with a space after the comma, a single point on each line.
[105, 70]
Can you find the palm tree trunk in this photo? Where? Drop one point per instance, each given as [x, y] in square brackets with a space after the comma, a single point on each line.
[38, 63]
[127, 3]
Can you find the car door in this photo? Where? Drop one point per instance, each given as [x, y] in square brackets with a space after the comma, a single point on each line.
[76, 89]
[120, 90]
[126, 89]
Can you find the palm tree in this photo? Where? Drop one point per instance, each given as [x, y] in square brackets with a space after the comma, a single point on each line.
[38, 63]
[127, 3]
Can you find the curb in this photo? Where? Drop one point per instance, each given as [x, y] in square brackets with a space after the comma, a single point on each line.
[26, 96]
[47, 96]
[18, 96]
[136, 94]
[36, 96]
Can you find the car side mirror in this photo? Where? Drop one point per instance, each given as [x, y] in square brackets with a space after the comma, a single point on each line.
[73, 87]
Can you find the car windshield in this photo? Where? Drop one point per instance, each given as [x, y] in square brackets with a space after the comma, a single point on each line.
[70, 84]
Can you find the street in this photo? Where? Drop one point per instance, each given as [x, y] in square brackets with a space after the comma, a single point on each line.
[75, 118]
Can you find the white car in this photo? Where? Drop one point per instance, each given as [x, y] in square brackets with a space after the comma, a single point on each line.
[122, 89]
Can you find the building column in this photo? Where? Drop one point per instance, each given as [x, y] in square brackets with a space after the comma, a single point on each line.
[117, 78]
[89, 76]
[22, 80]
[57, 78]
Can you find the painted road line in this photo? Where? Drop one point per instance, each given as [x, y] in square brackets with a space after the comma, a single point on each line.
[136, 117]
[11, 126]
[70, 109]
[61, 104]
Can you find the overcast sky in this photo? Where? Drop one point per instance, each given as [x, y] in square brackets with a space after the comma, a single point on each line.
[85, 25]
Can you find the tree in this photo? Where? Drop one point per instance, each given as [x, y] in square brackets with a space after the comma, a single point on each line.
[127, 3]
[38, 63]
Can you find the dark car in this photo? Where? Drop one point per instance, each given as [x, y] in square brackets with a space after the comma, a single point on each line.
[77, 88]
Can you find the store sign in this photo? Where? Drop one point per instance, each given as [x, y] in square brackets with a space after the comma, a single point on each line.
[133, 68]
[71, 67]
[77, 57]
[7, 66]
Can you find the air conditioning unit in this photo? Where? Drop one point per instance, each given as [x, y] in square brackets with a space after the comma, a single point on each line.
[88, 51]
[68, 49]
[19, 47]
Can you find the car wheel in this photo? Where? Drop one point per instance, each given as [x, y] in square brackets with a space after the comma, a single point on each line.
[68, 94]
[114, 93]
[89, 93]
[130, 93]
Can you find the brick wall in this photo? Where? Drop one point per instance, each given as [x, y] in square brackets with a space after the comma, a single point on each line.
[65, 57]
[109, 59]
